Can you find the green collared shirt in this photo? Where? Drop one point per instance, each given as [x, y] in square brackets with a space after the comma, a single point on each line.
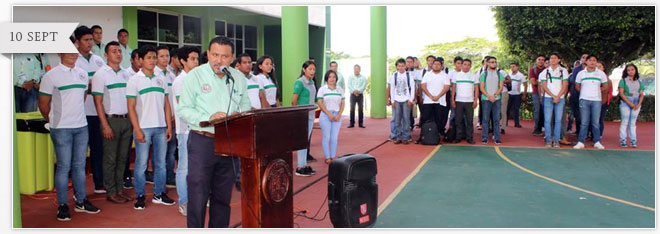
[203, 94]
[358, 83]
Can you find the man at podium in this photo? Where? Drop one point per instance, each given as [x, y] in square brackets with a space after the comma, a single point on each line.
[211, 91]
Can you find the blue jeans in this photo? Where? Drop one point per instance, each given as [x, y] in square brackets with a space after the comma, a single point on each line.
[330, 131]
[70, 150]
[550, 109]
[159, 139]
[182, 168]
[25, 101]
[495, 108]
[536, 101]
[401, 121]
[629, 121]
[302, 154]
[169, 158]
[589, 115]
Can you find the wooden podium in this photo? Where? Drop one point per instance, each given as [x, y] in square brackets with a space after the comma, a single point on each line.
[264, 140]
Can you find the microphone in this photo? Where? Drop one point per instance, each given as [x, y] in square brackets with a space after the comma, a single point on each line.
[224, 70]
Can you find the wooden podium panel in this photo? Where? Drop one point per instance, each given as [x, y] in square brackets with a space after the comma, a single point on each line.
[265, 140]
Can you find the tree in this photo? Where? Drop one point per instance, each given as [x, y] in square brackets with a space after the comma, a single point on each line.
[471, 48]
[615, 34]
[338, 55]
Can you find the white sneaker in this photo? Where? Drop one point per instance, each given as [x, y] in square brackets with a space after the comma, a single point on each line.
[579, 145]
[599, 146]
[183, 209]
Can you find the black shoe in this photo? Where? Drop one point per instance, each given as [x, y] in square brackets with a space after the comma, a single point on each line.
[456, 141]
[351, 126]
[170, 184]
[536, 133]
[163, 199]
[149, 177]
[87, 207]
[362, 126]
[238, 185]
[502, 131]
[498, 142]
[310, 158]
[303, 172]
[139, 203]
[312, 171]
[63, 213]
[397, 142]
[470, 141]
[518, 126]
[128, 183]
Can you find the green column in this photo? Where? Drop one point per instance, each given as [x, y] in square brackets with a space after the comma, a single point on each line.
[16, 197]
[129, 20]
[260, 41]
[378, 61]
[328, 42]
[295, 47]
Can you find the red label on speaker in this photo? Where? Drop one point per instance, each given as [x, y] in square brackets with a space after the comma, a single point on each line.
[364, 219]
[363, 209]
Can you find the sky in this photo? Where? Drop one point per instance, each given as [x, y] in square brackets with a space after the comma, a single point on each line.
[410, 28]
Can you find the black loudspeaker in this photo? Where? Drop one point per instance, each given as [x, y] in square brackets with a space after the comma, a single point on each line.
[353, 191]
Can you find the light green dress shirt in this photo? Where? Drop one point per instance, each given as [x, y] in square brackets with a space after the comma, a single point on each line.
[358, 83]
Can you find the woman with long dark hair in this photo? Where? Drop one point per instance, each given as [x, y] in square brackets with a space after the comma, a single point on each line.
[265, 74]
[631, 93]
[304, 93]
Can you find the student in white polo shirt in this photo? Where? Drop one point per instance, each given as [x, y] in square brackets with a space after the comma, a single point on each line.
[330, 99]
[590, 82]
[265, 74]
[109, 91]
[149, 112]
[162, 61]
[555, 85]
[255, 89]
[174, 66]
[90, 63]
[188, 58]
[465, 94]
[518, 80]
[61, 99]
[434, 86]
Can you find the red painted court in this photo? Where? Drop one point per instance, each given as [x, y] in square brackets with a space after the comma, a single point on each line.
[395, 163]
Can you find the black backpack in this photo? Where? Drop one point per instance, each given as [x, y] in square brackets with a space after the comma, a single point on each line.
[429, 134]
[407, 75]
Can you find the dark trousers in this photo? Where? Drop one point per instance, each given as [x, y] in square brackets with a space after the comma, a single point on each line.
[95, 150]
[211, 176]
[515, 101]
[444, 117]
[574, 104]
[464, 112]
[359, 99]
[25, 101]
[127, 169]
[169, 159]
[114, 154]
[431, 112]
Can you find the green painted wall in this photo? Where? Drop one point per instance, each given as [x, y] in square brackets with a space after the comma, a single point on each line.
[129, 19]
[378, 61]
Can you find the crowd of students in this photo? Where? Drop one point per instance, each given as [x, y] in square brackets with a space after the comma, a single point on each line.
[108, 96]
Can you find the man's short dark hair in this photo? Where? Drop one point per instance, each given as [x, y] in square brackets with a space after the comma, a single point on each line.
[82, 31]
[591, 55]
[184, 52]
[162, 47]
[173, 53]
[240, 56]
[403, 61]
[515, 63]
[112, 43]
[458, 58]
[488, 58]
[144, 50]
[123, 30]
[430, 56]
[410, 57]
[222, 41]
[331, 62]
[95, 27]
[234, 63]
[134, 54]
[540, 55]
[467, 60]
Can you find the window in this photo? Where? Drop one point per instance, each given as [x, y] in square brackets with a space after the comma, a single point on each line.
[243, 36]
[173, 30]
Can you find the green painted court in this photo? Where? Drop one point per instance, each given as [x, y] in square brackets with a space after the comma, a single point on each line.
[475, 187]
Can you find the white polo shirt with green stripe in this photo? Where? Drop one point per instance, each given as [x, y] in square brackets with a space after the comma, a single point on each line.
[253, 89]
[269, 88]
[169, 78]
[90, 65]
[590, 82]
[67, 88]
[555, 79]
[332, 98]
[111, 85]
[149, 93]
[177, 85]
[465, 85]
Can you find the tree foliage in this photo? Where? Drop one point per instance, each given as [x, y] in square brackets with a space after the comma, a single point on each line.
[615, 34]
